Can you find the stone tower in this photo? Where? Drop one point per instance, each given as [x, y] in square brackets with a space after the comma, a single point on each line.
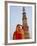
[24, 17]
[25, 24]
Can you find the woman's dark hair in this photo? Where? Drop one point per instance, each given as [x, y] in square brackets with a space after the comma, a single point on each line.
[19, 25]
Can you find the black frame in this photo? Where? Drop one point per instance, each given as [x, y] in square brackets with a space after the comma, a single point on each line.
[6, 22]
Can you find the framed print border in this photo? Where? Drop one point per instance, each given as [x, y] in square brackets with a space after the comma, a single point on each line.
[6, 22]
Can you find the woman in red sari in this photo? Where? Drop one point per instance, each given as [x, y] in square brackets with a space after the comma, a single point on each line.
[19, 33]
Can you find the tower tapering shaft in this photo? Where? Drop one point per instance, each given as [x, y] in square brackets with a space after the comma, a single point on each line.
[24, 17]
[25, 25]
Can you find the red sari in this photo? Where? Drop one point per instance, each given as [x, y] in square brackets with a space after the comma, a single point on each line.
[17, 35]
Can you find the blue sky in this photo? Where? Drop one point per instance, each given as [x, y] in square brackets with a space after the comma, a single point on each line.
[16, 16]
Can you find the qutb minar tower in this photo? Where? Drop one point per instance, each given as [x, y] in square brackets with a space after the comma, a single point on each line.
[25, 25]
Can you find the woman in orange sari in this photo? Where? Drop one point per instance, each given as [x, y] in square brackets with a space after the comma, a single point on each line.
[19, 33]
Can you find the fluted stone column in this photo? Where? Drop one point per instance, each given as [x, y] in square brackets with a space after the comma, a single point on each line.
[25, 25]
